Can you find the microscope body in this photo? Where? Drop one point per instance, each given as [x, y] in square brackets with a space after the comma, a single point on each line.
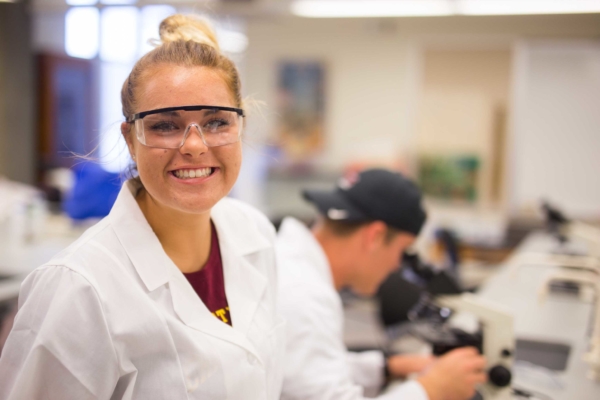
[496, 340]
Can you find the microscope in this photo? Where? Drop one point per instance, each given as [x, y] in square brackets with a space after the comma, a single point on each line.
[434, 309]
[492, 335]
[566, 230]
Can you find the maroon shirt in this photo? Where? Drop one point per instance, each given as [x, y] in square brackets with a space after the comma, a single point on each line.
[209, 283]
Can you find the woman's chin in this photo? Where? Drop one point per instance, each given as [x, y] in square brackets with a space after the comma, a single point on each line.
[194, 205]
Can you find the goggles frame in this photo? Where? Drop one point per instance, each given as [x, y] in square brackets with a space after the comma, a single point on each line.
[141, 115]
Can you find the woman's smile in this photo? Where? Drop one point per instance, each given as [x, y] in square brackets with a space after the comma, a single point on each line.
[191, 173]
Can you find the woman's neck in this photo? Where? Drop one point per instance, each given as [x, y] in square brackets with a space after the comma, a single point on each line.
[185, 237]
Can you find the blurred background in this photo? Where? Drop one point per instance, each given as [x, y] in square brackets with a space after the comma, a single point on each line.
[491, 106]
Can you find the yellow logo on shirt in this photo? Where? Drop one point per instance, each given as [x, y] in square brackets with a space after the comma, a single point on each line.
[221, 314]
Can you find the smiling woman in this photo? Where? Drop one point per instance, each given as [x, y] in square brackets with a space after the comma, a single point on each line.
[171, 295]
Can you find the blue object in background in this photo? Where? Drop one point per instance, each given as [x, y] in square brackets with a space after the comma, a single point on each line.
[94, 192]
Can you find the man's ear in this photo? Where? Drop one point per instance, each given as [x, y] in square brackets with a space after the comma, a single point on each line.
[374, 235]
[126, 131]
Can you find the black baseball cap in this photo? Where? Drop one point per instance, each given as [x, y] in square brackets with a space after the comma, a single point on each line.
[373, 195]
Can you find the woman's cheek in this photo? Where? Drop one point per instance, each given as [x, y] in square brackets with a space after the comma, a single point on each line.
[154, 161]
[237, 159]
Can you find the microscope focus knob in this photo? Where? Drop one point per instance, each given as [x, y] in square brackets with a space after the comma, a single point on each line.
[500, 376]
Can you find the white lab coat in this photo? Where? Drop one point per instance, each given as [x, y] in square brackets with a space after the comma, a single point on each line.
[112, 317]
[318, 365]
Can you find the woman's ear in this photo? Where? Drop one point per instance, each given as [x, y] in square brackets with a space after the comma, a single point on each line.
[127, 135]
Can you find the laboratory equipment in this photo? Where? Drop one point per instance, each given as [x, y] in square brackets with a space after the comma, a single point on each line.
[22, 214]
[580, 271]
[497, 340]
[565, 230]
[403, 288]
[592, 280]
[450, 322]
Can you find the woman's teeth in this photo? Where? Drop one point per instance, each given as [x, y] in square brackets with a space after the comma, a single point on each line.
[192, 173]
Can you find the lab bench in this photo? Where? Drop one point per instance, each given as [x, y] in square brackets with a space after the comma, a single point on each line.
[17, 261]
[19, 258]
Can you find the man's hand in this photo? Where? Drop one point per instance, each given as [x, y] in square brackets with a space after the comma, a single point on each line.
[400, 366]
[455, 375]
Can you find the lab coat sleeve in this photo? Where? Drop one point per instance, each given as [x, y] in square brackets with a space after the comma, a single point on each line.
[411, 390]
[60, 346]
[317, 366]
[366, 369]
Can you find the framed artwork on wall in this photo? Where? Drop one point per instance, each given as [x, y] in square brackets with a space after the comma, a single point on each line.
[300, 128]
[450, 178]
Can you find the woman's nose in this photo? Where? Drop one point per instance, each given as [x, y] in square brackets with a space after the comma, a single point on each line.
[193, 143]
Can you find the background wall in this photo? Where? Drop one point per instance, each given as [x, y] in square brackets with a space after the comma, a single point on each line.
[365, 96]
[557, 127]
[462, 110]
[17, 94]
[375, 78]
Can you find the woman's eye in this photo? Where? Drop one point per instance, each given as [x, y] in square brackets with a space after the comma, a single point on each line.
[216, 125]
[163, 126]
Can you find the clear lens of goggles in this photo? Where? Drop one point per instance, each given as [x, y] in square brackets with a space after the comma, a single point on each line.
[168, 130]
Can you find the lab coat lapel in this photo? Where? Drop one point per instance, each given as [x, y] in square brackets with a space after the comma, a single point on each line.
[190, 309]
[138, 239]
[245, 286]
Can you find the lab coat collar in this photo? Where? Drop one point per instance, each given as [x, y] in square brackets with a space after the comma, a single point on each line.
[138, 239]
[305, 246]
[238, 238]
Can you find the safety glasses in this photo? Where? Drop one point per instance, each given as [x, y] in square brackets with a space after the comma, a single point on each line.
[168, 128]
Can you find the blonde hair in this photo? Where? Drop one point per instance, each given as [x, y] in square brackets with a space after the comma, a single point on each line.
[188, 41]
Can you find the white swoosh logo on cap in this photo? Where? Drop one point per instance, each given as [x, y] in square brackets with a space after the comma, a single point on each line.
[335, 214]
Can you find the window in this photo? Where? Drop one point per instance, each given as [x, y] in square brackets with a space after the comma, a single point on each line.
[118, 34]
[81, 32]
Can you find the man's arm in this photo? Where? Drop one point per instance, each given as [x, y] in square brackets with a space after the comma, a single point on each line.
[317, 366]
[368, 368]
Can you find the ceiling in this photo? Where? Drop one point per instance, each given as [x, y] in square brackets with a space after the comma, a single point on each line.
[249, 8]
[278, 8]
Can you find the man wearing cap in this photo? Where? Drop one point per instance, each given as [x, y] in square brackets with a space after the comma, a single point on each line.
[364, 227]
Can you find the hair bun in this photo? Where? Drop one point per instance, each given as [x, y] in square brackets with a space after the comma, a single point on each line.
[186, 27]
